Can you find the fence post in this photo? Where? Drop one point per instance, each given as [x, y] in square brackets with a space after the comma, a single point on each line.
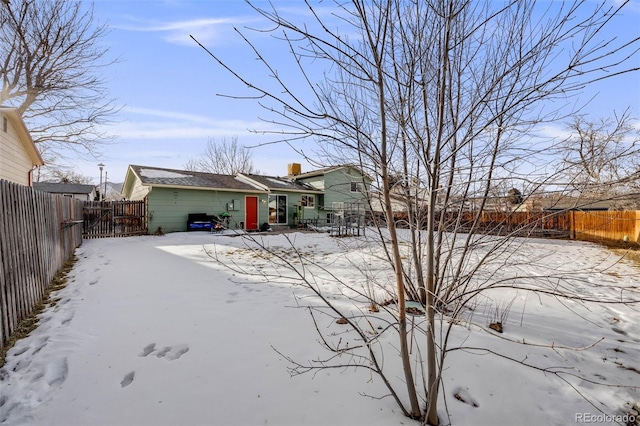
[572, 224]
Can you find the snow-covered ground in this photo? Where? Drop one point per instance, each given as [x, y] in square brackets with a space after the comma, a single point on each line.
[155, 331]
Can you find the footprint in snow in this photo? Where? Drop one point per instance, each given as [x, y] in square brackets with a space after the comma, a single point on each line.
[163, 351]
[619, 331]
[173, 352]
[148, 349]
[19, 351]
[176, 352]
[464, 396]
[22, 363]
[67, 319]
[42, 342]
[128, 378]
[56, 372]
[168, 352]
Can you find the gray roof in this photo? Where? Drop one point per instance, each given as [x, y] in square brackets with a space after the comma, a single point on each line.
[184, 178]
[63, 188]
[274, 183]
[324, 171]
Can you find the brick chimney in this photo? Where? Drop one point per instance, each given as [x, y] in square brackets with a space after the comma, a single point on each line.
[294, 169]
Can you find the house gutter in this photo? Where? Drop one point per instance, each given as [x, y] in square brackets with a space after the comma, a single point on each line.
[30, 175]
[203, 188]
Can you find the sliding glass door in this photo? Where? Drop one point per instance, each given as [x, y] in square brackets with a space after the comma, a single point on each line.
[277, 209]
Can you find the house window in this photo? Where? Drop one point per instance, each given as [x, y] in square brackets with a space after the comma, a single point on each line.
[278, 209]
[357, 187]
[308, 201]
[330, 218]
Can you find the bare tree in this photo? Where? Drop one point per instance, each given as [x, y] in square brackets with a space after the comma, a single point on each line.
[514, 197]
[50, 62]
[64, 176]
[223, 157]
[602, 156]
[440, 93]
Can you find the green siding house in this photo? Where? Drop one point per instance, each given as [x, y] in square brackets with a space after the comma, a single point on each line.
[344, 189]
[248, 201]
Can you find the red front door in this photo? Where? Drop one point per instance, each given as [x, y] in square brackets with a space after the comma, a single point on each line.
[251, 213]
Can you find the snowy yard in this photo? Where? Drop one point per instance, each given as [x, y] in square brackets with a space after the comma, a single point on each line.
[154, 331]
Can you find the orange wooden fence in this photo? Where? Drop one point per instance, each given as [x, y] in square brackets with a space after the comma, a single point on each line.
[580, 225]
[621, 226]
[606, 225]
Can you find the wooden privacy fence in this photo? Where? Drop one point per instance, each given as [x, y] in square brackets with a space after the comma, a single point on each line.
[542, 224]
[38, 233]
[606, 225]
[114, 218]
[581, 225]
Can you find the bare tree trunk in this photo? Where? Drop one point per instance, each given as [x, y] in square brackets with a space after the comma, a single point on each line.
[386, 187]
[432, 352]
[402, 310]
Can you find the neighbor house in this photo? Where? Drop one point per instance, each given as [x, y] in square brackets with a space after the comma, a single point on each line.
[589, 202]
[247, 200]
[72, 190]
[18, 153]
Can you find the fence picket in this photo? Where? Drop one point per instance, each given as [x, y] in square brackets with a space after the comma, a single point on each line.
[581, 225]
[607, 225]
[34, 244]
[114, 219]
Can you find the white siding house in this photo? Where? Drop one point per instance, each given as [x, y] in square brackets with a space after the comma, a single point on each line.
[18, 153]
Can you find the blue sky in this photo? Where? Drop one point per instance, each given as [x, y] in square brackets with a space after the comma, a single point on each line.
[167, 85]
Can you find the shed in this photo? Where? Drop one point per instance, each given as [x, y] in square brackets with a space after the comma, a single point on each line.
[71, 190]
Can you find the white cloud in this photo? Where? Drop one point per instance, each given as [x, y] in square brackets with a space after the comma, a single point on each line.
[631, 6]
[163, 125]
[152, 130]
[150, 112]
[551, 131]
[206, 30]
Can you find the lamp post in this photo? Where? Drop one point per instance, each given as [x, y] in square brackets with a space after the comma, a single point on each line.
[101, 195]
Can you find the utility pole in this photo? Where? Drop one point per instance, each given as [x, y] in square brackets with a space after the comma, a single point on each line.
[101, 195]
